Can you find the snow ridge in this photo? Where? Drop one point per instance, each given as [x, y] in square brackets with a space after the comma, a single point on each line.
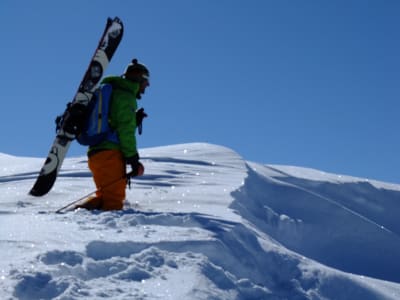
[202, 223]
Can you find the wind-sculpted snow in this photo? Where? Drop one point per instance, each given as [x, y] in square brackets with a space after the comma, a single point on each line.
[344, 225]
[202, 223]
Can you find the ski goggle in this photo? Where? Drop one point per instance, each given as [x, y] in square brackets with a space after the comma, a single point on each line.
[146, 77]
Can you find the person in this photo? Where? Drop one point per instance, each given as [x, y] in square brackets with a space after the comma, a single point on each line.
[107, 161]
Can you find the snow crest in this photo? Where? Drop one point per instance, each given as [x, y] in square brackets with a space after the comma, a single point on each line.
[202, 223]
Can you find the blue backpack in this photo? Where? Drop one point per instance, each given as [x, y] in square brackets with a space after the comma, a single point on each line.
[97, 128]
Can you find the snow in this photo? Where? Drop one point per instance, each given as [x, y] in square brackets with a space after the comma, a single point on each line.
[202, 223]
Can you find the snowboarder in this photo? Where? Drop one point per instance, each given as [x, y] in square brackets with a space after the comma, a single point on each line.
[107, 160]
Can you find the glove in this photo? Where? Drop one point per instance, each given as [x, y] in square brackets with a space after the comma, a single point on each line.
[137, 167]
[140, 115]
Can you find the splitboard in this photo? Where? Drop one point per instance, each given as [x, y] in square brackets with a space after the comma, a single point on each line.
[70, 122]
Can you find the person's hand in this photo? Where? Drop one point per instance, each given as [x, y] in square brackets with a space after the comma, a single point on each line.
[136, 165]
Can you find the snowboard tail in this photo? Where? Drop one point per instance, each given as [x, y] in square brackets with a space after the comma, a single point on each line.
[70, 123]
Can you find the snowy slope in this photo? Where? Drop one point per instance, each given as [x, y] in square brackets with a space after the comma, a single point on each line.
[203, 223]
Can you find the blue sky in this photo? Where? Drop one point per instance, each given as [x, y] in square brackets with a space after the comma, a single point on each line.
[306, 83]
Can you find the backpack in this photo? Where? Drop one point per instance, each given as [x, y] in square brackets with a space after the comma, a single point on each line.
[97, 128]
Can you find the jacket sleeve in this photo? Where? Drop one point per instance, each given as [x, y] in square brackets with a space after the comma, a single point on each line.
[124, 121]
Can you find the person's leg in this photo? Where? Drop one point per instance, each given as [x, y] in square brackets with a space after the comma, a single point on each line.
[109, 174]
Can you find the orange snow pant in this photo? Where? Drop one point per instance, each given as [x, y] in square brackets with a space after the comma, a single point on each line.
[109, 174]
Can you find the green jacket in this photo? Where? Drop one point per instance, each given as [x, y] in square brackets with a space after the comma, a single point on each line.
[122, 116]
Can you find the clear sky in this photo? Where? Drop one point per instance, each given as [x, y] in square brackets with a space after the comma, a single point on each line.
[308, 83]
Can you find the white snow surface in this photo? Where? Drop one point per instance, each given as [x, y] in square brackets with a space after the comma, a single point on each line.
[202, 223]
